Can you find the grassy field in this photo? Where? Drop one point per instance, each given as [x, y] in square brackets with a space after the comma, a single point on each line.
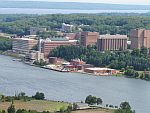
[38, 105]
[93, 111]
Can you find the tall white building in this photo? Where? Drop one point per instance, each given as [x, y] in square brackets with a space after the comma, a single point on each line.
[67, 27]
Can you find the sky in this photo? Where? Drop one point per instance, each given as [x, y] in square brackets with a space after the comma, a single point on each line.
[139, 2]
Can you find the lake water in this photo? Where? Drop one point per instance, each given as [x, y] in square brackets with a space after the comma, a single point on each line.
[63, 11]
[72, 87]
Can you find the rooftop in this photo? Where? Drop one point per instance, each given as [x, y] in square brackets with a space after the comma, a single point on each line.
[108, 36]
[23, 39]
[98, 68]
[56, 39]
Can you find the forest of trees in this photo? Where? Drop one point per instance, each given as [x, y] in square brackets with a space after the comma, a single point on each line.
[103, 23]
[117, 60]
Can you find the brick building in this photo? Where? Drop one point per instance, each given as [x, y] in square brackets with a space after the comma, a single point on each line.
[89, 38]
[112, 42]
[139, 38]
[48, 45]
[23, 45]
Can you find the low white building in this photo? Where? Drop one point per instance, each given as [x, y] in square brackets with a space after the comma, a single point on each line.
[101, 71]
[34, 56]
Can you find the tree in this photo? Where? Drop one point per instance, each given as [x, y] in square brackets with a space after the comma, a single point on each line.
[74, 106]
[40, 63]
[93, 100]
[69, 109]
[124, 108]
[3, 111]
[11, 109]
[125, 105]
[5, 44]
[35, 47]
[62, 109]
[99, 101]
[115, 60]
[39, 96]
[144, 51]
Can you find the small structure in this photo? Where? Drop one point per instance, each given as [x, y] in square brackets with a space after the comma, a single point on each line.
[53, 60]
[101, 71]
[56, 61]
[34, 56]
[70, 67]
[77, 62]
[87, 66]
[81, 106]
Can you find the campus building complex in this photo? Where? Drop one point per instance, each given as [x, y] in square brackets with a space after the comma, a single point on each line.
[139, 38]
[89, 38]
[112, 42]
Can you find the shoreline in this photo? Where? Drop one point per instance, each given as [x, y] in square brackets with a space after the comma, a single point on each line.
[16, 56]
[19, 58]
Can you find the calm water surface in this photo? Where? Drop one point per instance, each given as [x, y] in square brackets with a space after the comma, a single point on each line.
[63, 11]
[72, 87]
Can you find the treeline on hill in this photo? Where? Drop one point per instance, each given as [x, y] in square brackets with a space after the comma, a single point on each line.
[5, 44]
[22, 96]
[117, 60]
[103, 23]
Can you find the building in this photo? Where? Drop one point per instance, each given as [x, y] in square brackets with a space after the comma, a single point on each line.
[48, 45]
[77, 62]
[82, 106]
[34, 56]
[67, 27]
[36, 30]
[88, 38]
[112, 42]
[101, 71]
[139, 38]
[72, 36]
[23, 45]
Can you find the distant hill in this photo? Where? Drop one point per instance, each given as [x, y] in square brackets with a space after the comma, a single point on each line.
[70, 5]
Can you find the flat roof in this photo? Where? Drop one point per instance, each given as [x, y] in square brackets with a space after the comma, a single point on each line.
[58, 40]
[117, 36]
[23, 39]
[98, 68]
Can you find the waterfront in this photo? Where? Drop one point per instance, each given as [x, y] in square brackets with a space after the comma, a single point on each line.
[63, 11]
[72, 87]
